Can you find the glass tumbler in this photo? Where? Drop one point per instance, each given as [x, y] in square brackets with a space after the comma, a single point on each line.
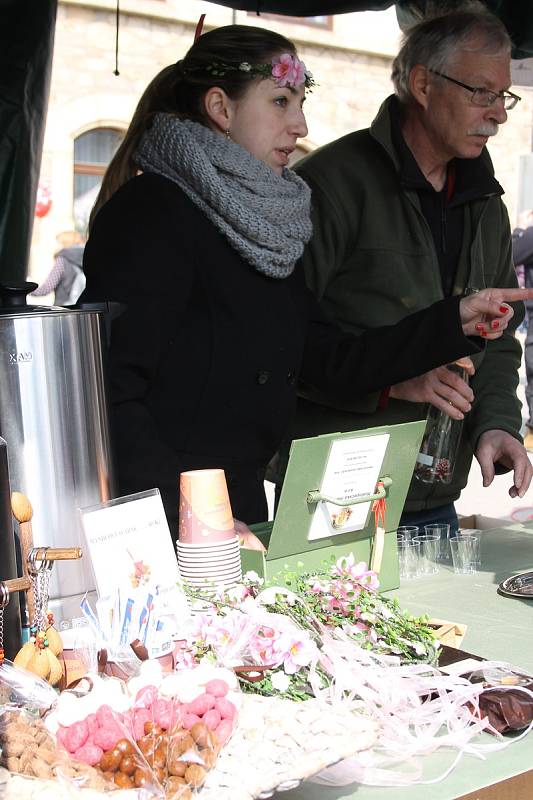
[429, 552]
[409, 558]
[465, 551]
[442, 530]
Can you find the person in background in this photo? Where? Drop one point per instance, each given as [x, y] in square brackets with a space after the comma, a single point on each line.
[408, 212]
[197, 232]
[523, 257]
[66, 278]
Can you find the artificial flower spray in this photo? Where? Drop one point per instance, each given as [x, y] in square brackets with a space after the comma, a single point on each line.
[435, 462]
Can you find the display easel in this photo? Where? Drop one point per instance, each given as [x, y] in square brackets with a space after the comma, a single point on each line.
[290, 548]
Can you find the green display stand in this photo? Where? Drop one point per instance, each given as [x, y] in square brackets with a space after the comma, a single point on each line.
[289, 548]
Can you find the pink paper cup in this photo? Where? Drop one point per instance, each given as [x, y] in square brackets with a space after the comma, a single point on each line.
[204, 510]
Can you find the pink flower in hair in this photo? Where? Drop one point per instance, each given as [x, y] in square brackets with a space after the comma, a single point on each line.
[300, 72]
[282, 69]
[287, 70]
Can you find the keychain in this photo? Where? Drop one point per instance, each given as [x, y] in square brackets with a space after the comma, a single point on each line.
[40, 654]
[4, 600]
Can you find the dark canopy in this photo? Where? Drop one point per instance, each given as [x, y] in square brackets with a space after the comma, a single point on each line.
[517, 15]
[26, 44]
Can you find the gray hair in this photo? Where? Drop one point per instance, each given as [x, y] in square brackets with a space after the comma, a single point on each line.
[436, 41]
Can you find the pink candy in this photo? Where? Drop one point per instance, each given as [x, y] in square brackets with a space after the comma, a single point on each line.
[225, 708]
[164, 713]
[211, 719]
[146, 697]
[188, 720]
[75, 736]
[89, 754]
[213, 708]
[61, 735]
[201, 704]
[106, 738]
[106, 716]
[140, 716]
[89, 739]
[92, 724]
[223, 731]
[217, 688]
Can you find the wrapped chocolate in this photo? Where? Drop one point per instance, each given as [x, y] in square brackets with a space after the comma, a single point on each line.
[507, 701]
[508, 709]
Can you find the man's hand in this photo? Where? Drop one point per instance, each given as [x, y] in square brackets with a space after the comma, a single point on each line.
[499, 446]
[441, 387]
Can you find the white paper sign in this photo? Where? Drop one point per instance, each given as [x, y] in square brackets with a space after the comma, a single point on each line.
[130, 547]
[352, 471]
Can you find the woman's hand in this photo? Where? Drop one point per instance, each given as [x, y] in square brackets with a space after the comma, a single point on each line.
[487, 313]
[247, 539]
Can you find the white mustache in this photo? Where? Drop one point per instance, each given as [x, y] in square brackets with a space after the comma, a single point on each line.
[489, 129]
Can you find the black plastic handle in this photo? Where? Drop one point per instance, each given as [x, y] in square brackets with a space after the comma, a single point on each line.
[13, 295]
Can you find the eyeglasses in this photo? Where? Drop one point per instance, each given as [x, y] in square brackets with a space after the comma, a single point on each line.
[483, 97]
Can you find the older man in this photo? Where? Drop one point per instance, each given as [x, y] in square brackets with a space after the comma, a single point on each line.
[409, 211]
[523, 256]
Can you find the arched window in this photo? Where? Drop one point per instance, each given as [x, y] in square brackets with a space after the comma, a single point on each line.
[93, 151]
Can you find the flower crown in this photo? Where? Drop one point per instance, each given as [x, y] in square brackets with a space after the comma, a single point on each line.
[285, 70]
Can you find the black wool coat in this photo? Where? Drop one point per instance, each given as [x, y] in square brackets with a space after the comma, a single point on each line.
[204, 360]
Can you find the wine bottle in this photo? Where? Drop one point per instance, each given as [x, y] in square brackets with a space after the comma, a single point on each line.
[435, 462]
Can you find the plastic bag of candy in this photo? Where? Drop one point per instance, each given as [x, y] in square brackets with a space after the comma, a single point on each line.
[162, 737]
[28, 749]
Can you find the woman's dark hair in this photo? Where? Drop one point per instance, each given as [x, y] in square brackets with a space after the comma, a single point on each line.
[180, 88]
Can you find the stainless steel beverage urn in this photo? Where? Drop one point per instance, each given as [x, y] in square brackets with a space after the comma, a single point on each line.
[53, 416]
[8, 564]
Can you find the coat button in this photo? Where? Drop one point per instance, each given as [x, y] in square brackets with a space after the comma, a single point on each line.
[291, 377]
[262, 376]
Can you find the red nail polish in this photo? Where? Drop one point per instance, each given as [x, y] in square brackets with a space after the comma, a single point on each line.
[483, 333]
[504, 309]
[479, 326]
[494, 324]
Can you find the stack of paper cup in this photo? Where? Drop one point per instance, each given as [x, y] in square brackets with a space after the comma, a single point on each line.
[204, 565]
[208, 548]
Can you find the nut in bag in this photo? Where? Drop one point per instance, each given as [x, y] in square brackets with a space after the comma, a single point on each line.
[28, 749]
[180, 740]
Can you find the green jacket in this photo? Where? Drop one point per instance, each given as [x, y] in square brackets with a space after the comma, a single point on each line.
[372, 261]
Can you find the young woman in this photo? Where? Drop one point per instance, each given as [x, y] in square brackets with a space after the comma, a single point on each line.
[198, 230]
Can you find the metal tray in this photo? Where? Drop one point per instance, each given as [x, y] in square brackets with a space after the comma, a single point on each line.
[518, 586]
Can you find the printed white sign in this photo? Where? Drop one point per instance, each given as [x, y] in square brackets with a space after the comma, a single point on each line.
[131, 551]
[352, 471]
[130, 544]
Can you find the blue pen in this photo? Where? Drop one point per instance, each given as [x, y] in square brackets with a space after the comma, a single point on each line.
[90, 616]
[126, 622]
[145, 616]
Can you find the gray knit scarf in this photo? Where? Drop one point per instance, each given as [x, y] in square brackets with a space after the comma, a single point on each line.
[265, 217]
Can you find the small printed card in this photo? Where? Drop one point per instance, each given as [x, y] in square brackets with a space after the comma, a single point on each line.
[352, 471]
[132, 554]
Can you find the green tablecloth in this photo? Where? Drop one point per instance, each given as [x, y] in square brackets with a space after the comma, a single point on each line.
[498, 628]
